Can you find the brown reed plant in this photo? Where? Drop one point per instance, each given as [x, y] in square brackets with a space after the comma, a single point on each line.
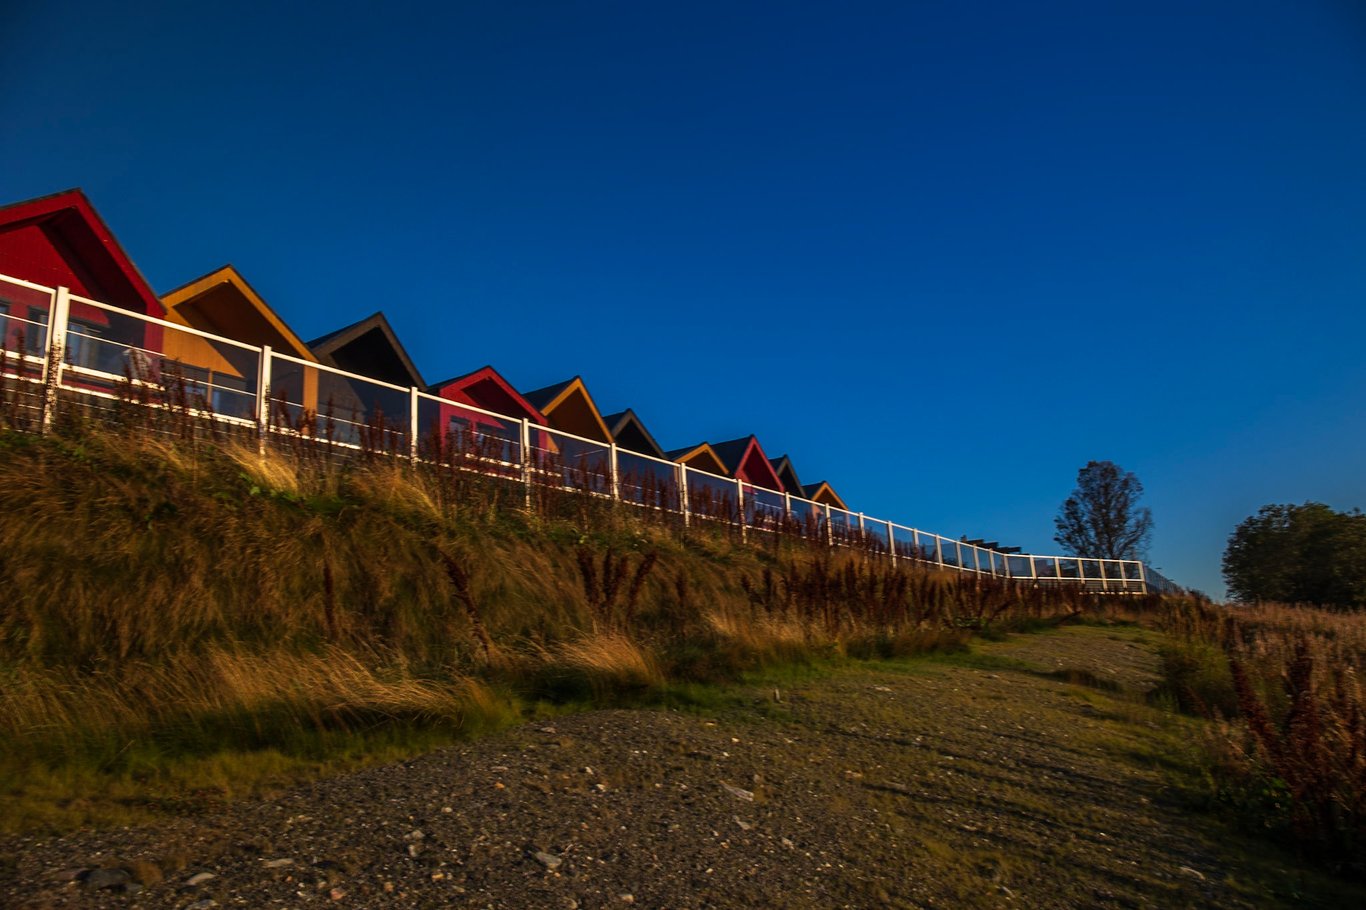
[603, 586]
[1289, 744]
[460, 584]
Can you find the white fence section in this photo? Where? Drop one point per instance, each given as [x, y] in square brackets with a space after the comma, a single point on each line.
[109, 354]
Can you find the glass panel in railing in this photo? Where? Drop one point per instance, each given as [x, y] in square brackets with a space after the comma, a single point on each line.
[647, 481]
[203, 373]
[544, 457]
[880, 536]
[115, 354]
[954, 552]
[1067, 568]
[1113, 570]
[456, 434]
[1045, 567]
[23, 325]
[431, 429]
[949, 550]
[1090, 569]
[806, 517]
[314, 401]
[904, 540]
[575, 463]
[844, 525]
[712, 497]
[113, 343]
[767, 509]
[1018, 566]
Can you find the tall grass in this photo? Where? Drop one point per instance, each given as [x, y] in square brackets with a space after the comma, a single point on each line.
[1282, 685]
[196, 594]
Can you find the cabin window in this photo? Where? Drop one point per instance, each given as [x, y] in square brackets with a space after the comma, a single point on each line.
[83, 348]
[35, 333]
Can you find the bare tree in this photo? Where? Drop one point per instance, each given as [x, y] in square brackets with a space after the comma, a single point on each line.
[1102, 518]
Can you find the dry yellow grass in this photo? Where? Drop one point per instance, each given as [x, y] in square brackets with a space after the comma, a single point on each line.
[331, 685]
[770, 639]
[612, 658]
[269, 470]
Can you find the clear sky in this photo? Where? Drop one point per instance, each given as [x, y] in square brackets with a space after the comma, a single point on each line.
[942, 253]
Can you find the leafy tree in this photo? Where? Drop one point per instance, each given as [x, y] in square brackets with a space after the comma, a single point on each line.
[1299, 554]
[1102, 518]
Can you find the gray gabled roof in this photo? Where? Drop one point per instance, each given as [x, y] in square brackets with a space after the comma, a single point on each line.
[328, 348]
[629, 432]
[539, 398]
[731, 451]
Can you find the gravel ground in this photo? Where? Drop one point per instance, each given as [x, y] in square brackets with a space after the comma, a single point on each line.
[998, 781]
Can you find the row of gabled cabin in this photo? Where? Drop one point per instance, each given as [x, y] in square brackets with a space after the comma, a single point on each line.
[60, 240]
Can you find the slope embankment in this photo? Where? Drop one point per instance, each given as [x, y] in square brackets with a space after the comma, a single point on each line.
[184, 621]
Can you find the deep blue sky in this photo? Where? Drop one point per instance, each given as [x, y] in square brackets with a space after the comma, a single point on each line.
[941, 253]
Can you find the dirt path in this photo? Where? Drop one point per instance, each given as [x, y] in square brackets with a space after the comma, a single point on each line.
[1024, 775]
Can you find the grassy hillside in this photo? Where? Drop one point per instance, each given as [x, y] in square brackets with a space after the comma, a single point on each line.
[186, 619]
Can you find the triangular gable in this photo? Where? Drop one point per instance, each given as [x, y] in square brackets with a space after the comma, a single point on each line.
[745, 460]
[629, 433]
[702, 457]
[487, 389]
[60, 240]
[787, 474]
[223, 303]
[824, 494]
[368, 348]
[569, 407]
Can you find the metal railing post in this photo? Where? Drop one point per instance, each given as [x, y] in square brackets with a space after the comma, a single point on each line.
[939, 550]
[616, 476]
[891, 542]
[683, 504]
[829, 525]
[55, 357]
[740, 506]
[412, 425]
[526, 463]
[263, 400]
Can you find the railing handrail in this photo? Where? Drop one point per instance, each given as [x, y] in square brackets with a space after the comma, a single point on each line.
[166, 323]
[276, 355]
[746, 492]
[28, 284]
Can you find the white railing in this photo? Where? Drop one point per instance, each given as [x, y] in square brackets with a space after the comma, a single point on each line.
[107, 351]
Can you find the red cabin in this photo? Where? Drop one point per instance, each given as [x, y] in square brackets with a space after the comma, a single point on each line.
[745, 460]
[60, 240]
[484, 388]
